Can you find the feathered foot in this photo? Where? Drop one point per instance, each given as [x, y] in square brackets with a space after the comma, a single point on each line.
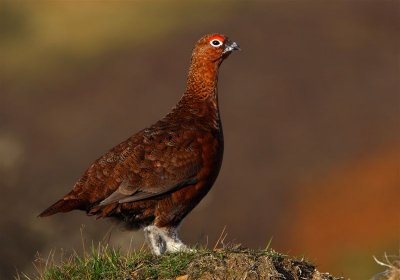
[163, 240]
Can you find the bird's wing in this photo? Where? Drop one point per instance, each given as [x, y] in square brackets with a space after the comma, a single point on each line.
[164, 160]
[121, 195]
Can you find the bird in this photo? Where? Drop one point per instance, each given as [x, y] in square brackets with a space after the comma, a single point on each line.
[153, 179]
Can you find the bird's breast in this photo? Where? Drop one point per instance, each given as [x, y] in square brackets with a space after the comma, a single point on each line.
[212, 154]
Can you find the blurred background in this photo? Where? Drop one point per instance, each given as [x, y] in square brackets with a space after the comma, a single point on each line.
[310, 107]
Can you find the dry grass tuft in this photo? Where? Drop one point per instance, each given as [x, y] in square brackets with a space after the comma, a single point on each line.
[392, 272]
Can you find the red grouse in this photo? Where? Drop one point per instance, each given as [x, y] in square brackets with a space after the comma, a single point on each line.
[158, 175]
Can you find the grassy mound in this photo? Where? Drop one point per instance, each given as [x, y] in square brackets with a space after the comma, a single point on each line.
[233, 263]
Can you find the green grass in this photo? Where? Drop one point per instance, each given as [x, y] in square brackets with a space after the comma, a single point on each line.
[106, 263]
[103, 262]
[224, 261]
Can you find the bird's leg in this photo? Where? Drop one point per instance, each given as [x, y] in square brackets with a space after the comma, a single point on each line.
[155, 240]
[172, 241]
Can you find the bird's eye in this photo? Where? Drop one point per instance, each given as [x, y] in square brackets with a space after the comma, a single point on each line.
[216, 43]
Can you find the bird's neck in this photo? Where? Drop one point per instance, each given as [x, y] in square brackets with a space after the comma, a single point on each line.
[202, 80]
[200, 99]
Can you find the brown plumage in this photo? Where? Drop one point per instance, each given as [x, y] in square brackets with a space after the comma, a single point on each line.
[157, 176]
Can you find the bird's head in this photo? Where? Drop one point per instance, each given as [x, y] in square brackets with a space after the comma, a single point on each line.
[207, 56]
[214, 47]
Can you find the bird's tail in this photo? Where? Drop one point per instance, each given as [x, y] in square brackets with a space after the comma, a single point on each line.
[63, 205]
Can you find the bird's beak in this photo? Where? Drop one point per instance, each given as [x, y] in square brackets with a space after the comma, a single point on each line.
[231, 46]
